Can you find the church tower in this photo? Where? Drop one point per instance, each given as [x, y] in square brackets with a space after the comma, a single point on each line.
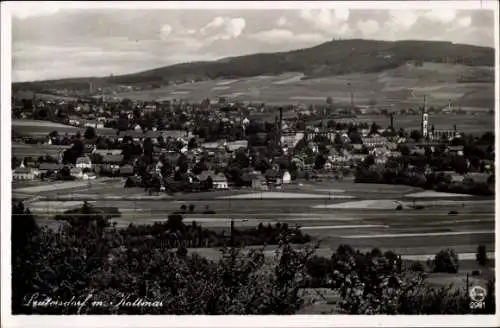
[425, 119]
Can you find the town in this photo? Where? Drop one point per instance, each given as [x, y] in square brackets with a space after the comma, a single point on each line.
[176, 146]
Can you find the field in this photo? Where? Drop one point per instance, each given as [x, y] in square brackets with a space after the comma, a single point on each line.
[21, 150]
[404, 86]
[43, 128]
[333, 220]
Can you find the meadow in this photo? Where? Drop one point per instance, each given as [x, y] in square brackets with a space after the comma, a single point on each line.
[404, 86]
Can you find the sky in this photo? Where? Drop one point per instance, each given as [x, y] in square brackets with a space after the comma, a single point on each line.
[51, 43]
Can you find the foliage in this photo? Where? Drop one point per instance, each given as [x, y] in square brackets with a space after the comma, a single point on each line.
[445, 261]
[90, 133]
[481, 255]
[97, 260]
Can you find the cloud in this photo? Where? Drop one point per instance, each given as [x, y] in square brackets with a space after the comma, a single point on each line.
[333, 22]
[441, 15]
[368, 27]
[282, 21]
[401, 19]
[287, 36]
[166, 31]
[224, 28]
[465, 21]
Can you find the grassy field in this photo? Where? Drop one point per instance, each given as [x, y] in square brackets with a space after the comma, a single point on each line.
[20, 150]
[332, 220]
[404, 86]
[43, 128]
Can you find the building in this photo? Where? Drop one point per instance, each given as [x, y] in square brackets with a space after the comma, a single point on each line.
[290, 139]
[24, 174]
[113, 161]
[104, 152]
[50, 167]
[287, 178]
[220, 182]
[235, 145]
[374, 141]
[83, 162]
[93, 124]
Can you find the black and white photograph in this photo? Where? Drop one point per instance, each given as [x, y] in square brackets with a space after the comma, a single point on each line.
[249, 158]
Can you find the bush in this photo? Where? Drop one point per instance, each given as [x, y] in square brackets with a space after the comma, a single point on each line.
[481, 255]
[445, 261]
[452, 213]
[399, 207]
[191, 208]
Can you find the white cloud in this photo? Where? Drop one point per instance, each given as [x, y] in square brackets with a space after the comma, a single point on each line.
[441, 15]
[190, 31]
[465, 21]
[282, 21]
[368, 27]
[224, 28]
[287, 36]
[166, 31]
[333, 22]
[401, 19]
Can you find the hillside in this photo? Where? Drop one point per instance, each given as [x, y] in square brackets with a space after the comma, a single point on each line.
[338, 57]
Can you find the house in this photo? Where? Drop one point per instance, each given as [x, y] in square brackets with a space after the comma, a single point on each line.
[74, 120]
[50, 167]
[24, 173]
[235, 145]
[104, 152]
[287, 178]
[220, 181]
[374, 141]
[113, 161]
[83, 162]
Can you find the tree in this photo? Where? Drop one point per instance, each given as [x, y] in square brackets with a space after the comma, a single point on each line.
[89, 133]
[329, 100]
[445, 261]
[481, 255]
[209, 183]
[416, 135]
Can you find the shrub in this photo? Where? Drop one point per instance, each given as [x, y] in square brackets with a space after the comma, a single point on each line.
[476, 273]
[191, 208]
[481, 255]
[445, 261]
[452, 213]
[399, 207]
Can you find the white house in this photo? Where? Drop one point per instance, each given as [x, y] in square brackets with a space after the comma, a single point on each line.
[287, 178]
[83, 162]
[24, 173]
[220, 181]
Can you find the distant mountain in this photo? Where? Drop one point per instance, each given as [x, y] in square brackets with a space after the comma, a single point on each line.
[327, 59]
